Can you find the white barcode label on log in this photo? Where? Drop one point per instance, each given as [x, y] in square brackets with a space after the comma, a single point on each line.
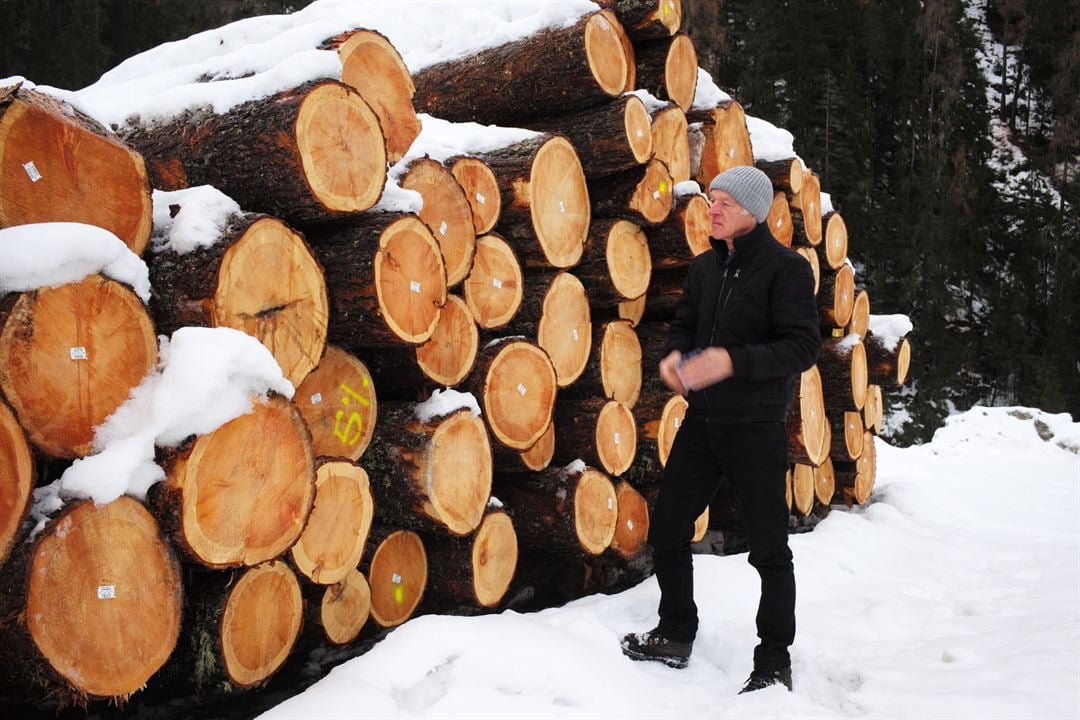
[629, 524]
[574, 332]
[77, 353]
[562, 207]
[779, 222]
[611, 503]
[481, 199]
[616, 438]
[32, 171]
[396, 579]
[522, 389]
[442, 229]
[414, 286]
[106, 592]
[678, 422]
[496, 283]
[316, 398]
[656, 195]
[731, 152]
[640, 133]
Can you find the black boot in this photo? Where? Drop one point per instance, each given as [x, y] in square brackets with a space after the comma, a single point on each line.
[654, 645]
[760, 679]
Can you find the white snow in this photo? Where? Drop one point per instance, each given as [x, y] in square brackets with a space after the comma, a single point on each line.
[652, 103]
[952, 595]
[257, 57]
[205, 378]
[769, 142]
[890, 329]
[849, 342]
[57, 253]
[443, 402]
[574, 468]
[441, 140]
[826, 203]
[708, 94]
[687, 187]
[494, 503]
[201, 214]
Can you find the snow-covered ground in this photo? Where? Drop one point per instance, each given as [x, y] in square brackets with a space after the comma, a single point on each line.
[955, 593]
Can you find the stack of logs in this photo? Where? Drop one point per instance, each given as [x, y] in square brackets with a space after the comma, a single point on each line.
[538, 278]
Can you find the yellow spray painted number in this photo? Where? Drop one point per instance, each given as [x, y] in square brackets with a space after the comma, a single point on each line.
[354, 417]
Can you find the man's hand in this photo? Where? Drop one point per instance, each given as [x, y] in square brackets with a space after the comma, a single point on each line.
[707, 368]
[669, 375]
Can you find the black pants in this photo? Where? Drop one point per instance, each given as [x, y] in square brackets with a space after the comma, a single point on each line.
[753, 457]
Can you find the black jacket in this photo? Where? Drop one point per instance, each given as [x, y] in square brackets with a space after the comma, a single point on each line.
[758, 303]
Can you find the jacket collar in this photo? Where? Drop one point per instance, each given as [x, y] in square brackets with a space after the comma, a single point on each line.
[746, 245]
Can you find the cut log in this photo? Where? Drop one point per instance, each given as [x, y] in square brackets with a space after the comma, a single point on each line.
[616, 264]
[495, 285]
[659, 416]
[701, 526]
[69, 356]
[341, 610]
[834, 248]
[241, 494]
[570, 68]
[474, 571]
[786, 175]
[727, 141]
[860, 315]
[842, 362]
[609, 138]
[406, 373]
[632, 525]
[670, 141]
[600, 432]
[261, 278]
[567, 509]
[614, 369]
[807, 423]
[545, 201]
[806, 212]
[632, 310]
[372, 66]
[446, 212]
[17, 478]
[874, 409]
[322, 140]
[643, 195]
[241, 626]
[59, 165]
[847, 430]
[385, 278]
[90, 609]
[824, 482]
[803, 488]
[337, 401]
[855, 481]
[333, 540]
[887, 362]
[431, 473]
[398, 575]
[788, 491]
[836, 296]
[665, 291]
[646, 19]
[481, 190]
[779, 219]
[683, 236]
[555, 311]
[535, 459]
[515, 384]
[668, 69]
[815, 267]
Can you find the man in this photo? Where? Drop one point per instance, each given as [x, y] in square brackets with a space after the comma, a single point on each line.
[746, 325]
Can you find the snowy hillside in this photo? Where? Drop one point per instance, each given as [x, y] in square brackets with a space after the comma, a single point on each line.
[953, 594]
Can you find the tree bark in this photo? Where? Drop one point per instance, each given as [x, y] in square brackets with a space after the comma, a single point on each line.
[667, 68]
[600, 432]
[836, 296]
[535, 459]
[321, 139]
[473, 572]
[847, 429]
[786, 175]
[855, 480]
[806, 212]
[842, 362]
[887, 364]
[643, 195]
[616, 264]
[683, 236]
[646, 20]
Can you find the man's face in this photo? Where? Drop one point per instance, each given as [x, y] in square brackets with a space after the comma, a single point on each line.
[728, 218]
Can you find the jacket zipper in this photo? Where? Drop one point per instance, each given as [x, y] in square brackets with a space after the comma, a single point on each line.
[721, 305]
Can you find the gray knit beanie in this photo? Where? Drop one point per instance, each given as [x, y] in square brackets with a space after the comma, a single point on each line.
[750, 187]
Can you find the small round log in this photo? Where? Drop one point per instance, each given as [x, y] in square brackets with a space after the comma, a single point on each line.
[17, 478]
[786, 175]
[600, 432]
[261, 278]
[632, 525]
[474, 571]
[812, 258]
[834, 247]
[836, 296]
[806, 212]
[481, 190]
[802, 484]
[515, 384]
[670, 141]
[642, 195]
[494, 288]
[632, 310]
[779, 219]
[616, 265]
[667, 68]
[337, 401]
[337, 529]
[807, 423]
[535, 459]
[855, 481]
[59, 165]
[824, 482]
[847, 430]
[69, 357]
[874, 409]
[614, 369]
[683, 236]
[241, 494]
[398, 575]
[859, 323]
[727, 141]
[842, 362]
[646, 20]
[887, 363]
[341, 610]
[447, 212]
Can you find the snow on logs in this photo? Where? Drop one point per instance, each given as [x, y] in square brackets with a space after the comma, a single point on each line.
[571, 68]
[321, 139]
[57, 164]
[69, 356]
[261, 278]
[887, 362]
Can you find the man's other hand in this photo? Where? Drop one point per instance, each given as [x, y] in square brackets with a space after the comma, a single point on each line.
[668, 373]
[706, 368]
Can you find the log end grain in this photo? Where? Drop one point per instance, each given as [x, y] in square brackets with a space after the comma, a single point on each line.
[628, 260]
[671, 144]
[608, 53]
[539, 456]
[860, 313]
[69, 356]
[595, 511]
[481, 191]
[17, 471]
[620, 363]
[494, 558]
[680, 74]
[632, 310]
[458, 472]
[345, 608]
[836, 240]
[632, 527]
[670, 422]
[903, 362]
[410, 279]
[495, 285]
[447, 212]
[779, 219]
[559, 202]
[727, 143]
[616, 438]
[519, 394]
[824, 482]
[398, 578]
[654, 195]
[449, 355]
[260, 623]
[337, 529]
[565, 328]
[638, 127]
[802, 483]
[338, 403]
